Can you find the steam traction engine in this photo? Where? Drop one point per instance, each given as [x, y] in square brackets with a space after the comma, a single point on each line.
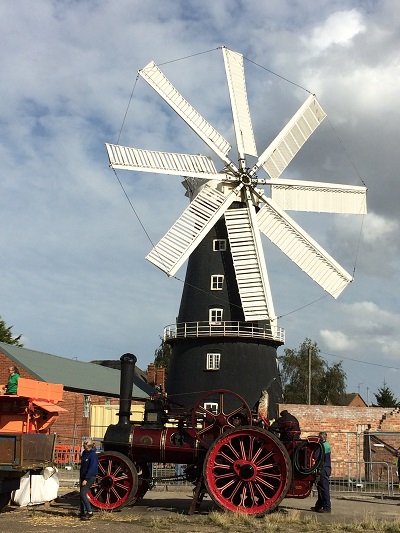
[229, 450]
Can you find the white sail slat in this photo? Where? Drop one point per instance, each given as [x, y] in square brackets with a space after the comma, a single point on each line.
[319, 197]
[190, 229]
[247, 255]
[240, 107]
[160, 83]
[302, 249]
[122, 157]
[285, 146]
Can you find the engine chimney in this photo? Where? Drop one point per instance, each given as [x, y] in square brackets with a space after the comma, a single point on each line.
[117, 436]
[128, 362]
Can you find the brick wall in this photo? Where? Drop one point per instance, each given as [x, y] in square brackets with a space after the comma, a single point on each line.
[345, 426]
[156, 376]
[5, 363]
[73, 424]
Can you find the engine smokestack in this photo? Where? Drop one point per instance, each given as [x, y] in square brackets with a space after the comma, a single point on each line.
[128, 362]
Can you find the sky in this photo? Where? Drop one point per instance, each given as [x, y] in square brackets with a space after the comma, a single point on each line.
[74, 235]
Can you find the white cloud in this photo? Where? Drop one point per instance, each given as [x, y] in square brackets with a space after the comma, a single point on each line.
[336, 341]
[378, 229]
[339, 28]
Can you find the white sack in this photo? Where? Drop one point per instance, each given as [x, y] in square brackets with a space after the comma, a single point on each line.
[37, 488]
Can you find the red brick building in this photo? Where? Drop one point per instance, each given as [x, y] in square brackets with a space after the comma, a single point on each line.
[86, 385]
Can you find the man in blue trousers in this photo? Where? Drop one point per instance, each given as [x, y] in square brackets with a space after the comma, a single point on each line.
[323, 504]
[88, 473]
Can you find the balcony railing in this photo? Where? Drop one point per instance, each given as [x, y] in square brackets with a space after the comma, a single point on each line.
[224, 329]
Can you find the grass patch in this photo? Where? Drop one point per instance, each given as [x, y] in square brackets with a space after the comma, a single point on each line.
[292, 521]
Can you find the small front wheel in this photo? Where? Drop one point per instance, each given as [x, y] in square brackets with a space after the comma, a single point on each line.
[116, 482]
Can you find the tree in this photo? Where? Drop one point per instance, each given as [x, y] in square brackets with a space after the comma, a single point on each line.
[385, 397]
[328, 383]
[162, 356]
[7, 336]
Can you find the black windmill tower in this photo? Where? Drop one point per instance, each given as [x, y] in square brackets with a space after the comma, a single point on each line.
[226, 334]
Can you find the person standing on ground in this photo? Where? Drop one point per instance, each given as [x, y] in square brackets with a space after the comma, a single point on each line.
[397, 456]
[323, 504]
[87, 476]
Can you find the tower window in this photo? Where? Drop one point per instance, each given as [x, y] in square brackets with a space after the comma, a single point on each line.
[217, 282]
[215, 315]
[213, 361]
[219, 245]
[212, 406]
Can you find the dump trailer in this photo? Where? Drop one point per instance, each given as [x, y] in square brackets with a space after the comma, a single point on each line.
[26, 441]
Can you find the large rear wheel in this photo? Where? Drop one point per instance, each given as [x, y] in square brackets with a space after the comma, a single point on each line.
[247, 470]
[116, 483]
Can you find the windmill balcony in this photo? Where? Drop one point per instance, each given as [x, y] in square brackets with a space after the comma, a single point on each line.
[224, 329]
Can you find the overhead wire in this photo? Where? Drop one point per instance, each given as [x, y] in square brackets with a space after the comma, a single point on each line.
[277, 75]
[359, 361]
[127, 109]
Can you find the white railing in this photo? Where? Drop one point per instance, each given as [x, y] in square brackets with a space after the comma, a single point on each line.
[184, 330]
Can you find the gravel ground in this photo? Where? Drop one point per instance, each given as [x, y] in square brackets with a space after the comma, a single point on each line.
[168, 511]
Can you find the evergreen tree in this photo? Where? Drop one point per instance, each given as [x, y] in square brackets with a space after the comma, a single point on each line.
[7, 336]
[162, 356]
[328, 383]
[385, 397]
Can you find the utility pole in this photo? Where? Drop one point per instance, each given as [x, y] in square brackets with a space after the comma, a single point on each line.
[309, 375]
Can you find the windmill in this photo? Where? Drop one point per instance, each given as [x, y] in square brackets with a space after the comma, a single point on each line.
[226, 332]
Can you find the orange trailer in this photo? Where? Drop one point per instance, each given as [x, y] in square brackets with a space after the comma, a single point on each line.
[26, 443]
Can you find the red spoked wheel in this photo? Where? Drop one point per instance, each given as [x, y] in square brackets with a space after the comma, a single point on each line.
[247, 470]
[116, 482]
[217, 412]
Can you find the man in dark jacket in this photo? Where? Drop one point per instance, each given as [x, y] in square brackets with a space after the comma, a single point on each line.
[88, 473]
[323, 504]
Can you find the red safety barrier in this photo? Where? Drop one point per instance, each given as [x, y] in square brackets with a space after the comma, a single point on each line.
[67, 455]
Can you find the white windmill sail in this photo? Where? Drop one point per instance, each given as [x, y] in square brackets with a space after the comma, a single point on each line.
[240, 107]
[243, 223]
[296, 195]
[301, 248]
[248, 261]
[160, 83]
[192, 165]
[190, 228]
[285, 146]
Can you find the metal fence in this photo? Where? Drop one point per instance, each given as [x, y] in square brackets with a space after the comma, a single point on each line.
[169, 475]
[375, 478]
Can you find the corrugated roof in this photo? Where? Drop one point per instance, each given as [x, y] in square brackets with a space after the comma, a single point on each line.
[76, 375]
